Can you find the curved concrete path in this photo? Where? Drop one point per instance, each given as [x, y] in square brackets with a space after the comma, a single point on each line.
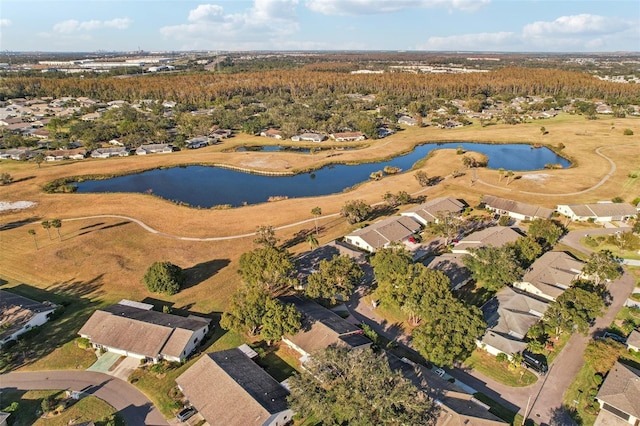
[597, 185]
[134, 407]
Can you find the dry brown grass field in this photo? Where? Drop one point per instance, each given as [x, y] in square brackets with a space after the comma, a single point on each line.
[110, 255]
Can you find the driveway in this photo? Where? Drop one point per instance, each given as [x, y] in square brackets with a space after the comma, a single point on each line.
[572, 239]
[134, 407]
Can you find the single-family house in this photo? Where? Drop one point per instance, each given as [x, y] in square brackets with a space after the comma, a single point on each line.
[16, 154]
[154, 148]
[516, 209]
[308, 137]
[109, 152]
[197, 142]
[229, 388]
[221, 133]
[430, 211]
[550, 275]
[308, 263]
[495, 236]
[454, 406]
[19, 314]
[66, 154]
[348, 136]
[92, 116]
[452, 266]
[407, 121]
[272, 133]
[633, 341]
[598, 212]
[509, 316]
[396, 229]
[619, 396]
[321, 328]
[133, 329]
[604, 109]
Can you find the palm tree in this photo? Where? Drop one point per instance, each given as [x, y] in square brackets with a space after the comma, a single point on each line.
[313, 241]
[35, 240]
[500, 174]
[316, 212]
[509, 176]
[46, 225]
[57, 224]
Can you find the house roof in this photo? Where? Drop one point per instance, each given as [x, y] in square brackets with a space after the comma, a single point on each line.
[229, 388]
[512, 312]
[634, 339]
[322, 327]
[495, 236]
[452, 266]
[16, 311]
[621, 389]
[386, 231]
[429, 210]
[141, 331]
[517, 207]
[553, 272]
[603, 209]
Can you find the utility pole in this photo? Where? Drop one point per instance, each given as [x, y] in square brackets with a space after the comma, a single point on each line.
[526, 410]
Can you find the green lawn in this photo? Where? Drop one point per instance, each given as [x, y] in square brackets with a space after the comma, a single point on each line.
[632, 253]
[578, 394]
[505, 414]
[488, 365]
[626, 321]
[29, 409]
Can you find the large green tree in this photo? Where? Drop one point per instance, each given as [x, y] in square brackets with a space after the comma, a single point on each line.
[356, 211]
[602, 265]
[269, 268]
[335, 278]
[545, 231]
[575, 309]
[390, 268]
[358, 388]
[279, 319]
[422, 289]
[526, 250]
[493, 266]
[246, 310]
[449, 331]
[164, 277]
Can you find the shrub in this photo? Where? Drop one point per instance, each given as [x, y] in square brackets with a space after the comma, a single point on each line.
[627, 132]
[617, 200]
[164, 277]
[83, 343]
[502, 357]
[503, 221]
[597, 379]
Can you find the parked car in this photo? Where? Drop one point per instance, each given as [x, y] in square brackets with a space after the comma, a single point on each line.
[534, 362]
[185, 414]
[439, 372]
[614, 336]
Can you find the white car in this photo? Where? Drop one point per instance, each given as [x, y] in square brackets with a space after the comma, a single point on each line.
[439, 372]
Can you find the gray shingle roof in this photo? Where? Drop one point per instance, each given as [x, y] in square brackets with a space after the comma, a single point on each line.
[517, 207]
[229, 388]
[621, 389]
[553, 272]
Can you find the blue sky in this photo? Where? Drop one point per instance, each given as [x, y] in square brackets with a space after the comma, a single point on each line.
[433, 25]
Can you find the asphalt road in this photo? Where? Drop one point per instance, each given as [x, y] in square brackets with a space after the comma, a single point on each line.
[134, 407]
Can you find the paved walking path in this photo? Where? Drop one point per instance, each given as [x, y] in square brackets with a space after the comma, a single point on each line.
[134, 407]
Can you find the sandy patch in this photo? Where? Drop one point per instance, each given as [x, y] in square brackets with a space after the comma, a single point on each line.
[266, 163]
[18, 205]
[536, 177]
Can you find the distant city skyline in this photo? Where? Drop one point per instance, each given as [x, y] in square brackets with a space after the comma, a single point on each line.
[423, 25]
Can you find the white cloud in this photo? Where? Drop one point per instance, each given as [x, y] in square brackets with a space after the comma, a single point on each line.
[574, 24]
[371, 7]
[5, 23]
[267, 24]
[73, 25]
[577, 33]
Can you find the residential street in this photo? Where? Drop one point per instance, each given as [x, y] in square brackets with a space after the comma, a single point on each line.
[132, 405]
[545, 397]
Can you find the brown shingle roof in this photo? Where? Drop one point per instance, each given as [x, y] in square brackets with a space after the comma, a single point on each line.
[389, 230]
[495, 236]
[621, 389]
[16, 311]
[553, 272]
[429, 210]
[229, 388]
[517, 207]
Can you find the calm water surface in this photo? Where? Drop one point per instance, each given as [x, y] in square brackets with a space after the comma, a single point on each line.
[211, 186]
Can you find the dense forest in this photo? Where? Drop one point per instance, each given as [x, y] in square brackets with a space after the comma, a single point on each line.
[204, 90]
